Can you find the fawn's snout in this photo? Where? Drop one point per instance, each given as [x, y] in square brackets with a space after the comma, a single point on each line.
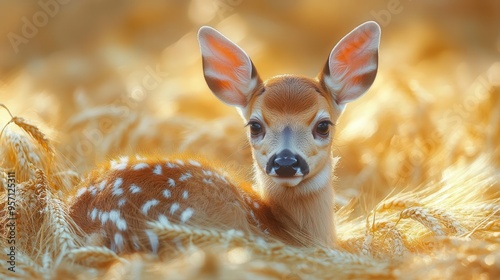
[286, 164]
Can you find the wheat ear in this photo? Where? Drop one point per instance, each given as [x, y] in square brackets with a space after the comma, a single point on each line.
[34, 132]
[448, 221]
[423, 216]
[93, 256]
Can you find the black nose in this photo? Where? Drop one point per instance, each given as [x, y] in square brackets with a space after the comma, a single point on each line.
[286, 164]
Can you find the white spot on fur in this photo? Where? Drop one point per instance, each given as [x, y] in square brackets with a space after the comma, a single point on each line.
[121, 224]
[167, 193]
[102, 184]
[194, 163]
[186, 214]
[157, 170]
[185, 194]
[221, 177]
[150, 203]
[174, 208]
[185, 176]
[118, 240]
[163, 219]
[81, 191]
[116, 187]
[180, 162]
[153, 240]
[208, 182]
[207, 172]
[93, 190]
[171, 182]
[140, 166]
[104, 217]
[118, 183]
[121, 202]
[114, 215]
[117, 191]
[171, 165]
[93, 214]
[134, 188]
[119, 165]
[256, 205]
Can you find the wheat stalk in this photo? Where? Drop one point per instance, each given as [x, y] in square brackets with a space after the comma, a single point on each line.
[23, 153]
[388, 230]
[41, 187]
[36, 133]
[32, 130]
[272, 249]
[60, 236]
[397, 204]
[389, 234]
[490, 208]
[493, 226]
[448, 221]
[366, 247]
[423, 216]
[93, 256]
[338, 263]
[11, 116]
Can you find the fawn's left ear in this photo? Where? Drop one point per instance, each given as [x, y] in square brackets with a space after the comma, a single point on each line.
[228, 70]
[352, 65]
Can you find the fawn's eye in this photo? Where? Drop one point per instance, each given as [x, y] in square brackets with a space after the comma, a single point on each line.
[256, 128]
[323, 128]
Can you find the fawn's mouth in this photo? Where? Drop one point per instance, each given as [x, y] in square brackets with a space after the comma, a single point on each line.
[287, 181]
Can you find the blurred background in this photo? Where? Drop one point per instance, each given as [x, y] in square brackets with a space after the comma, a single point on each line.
[121, 76]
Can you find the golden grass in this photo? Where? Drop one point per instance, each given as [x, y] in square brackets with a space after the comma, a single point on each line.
[418, 192]
[456, 215]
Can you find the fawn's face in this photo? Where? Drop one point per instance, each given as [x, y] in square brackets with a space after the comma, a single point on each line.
[291, 124]
[291, 118]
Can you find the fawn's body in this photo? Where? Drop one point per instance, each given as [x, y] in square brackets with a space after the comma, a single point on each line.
[291, 120]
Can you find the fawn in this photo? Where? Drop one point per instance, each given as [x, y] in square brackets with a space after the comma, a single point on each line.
[291, 122]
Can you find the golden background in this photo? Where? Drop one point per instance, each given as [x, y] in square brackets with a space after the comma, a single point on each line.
[102, 78]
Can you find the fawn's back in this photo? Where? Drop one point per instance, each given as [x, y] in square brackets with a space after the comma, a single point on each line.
[115, 203]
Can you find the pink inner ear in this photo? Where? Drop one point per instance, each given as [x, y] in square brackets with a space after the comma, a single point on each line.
[353, 63]
[228, 70]
[226, 59]
[225, 50]
[351, 51]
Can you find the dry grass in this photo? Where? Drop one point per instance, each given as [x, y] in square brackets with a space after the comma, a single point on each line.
[418, 192]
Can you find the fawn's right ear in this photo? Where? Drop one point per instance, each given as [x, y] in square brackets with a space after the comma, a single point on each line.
[228, 70]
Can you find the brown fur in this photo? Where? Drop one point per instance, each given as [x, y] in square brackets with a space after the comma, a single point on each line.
[219, 205]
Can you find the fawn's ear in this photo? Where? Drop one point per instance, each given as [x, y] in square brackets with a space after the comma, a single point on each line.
[352, 65]
[228, 70]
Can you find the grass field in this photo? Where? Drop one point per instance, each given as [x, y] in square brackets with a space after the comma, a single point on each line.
[418, 177]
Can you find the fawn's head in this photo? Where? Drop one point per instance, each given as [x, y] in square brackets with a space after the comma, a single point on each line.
[291, 118]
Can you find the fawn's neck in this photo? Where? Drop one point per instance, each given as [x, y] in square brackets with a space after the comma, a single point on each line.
[306, 209]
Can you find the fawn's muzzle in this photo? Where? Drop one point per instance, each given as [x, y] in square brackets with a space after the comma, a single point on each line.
[286, 164]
